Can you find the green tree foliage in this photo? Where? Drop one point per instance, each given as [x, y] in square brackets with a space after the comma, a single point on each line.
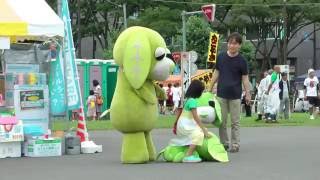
[198, 32]
[103, 19]
[162, 19]
[267, 21]
[247, 50]
[100, 18]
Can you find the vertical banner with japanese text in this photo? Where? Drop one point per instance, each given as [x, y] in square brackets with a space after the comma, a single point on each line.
[71, 73]
[57, 85]
[213, 47]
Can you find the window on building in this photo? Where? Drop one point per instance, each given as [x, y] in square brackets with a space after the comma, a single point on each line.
[226, 33]
[253, 33]
[272, 30]
[273, 62]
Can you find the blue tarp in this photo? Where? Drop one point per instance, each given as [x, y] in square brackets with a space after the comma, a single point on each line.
[301, 78]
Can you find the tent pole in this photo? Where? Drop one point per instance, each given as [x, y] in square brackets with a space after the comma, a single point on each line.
[59, 4]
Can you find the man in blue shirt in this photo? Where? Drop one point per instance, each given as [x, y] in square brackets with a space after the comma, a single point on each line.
[230, 73]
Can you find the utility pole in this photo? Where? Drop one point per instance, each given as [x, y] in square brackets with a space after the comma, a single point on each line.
[184, 41]
[79, 28]
[124, 7]
[184, 36]
[59, 4]
[94, 47]
[285, 29]
[314, 47]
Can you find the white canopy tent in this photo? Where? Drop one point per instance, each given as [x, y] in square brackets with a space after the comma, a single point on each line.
[31, 19]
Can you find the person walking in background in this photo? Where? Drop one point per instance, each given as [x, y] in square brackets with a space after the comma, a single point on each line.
[231, 70]
[273, 102]
[169, 102]
[284, 96]
[261, 96]
[98, 94]
[176, 97]
[311, 91]
[91, 105]
[162, 100]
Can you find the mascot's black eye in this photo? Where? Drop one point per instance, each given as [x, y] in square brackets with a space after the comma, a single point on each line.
[159, 58]
[160, 53]
[211, 103]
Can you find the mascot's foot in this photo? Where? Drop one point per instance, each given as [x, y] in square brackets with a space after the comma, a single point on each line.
[134, 148]
[150, 146]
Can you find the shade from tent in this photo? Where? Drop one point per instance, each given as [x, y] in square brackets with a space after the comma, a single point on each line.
[301, 78]
[29, 18]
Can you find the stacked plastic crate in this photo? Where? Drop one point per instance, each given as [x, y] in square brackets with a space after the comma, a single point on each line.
[11, 134]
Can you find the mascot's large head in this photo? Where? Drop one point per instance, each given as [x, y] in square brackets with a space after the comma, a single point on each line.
[142, 54]
[209, 109]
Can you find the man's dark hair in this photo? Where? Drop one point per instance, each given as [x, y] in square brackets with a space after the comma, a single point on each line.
[235, 36]
[95, 82]
[195, 89]
[283, 74]
[91, 92]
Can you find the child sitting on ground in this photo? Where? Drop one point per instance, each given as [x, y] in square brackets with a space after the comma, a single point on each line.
[189, 129]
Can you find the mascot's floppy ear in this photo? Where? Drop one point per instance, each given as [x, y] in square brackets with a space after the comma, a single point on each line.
[137, 58]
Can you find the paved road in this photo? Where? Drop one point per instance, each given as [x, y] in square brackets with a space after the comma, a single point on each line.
[278, 153]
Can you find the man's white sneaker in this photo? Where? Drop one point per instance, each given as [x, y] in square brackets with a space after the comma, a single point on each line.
[311, 117]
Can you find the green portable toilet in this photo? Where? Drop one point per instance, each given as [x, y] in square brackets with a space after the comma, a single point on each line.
[111, 81]
[82, 67]
[105, 71]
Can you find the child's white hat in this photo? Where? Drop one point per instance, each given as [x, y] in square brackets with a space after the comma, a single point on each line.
[310, 70]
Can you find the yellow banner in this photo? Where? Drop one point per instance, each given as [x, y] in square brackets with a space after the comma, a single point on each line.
[213, 47]
[205, 77]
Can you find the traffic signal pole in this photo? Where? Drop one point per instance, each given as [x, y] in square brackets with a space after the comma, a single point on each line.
[184, 34]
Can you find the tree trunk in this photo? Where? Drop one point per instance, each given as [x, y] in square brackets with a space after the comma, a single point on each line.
[266, 58]
[280, 59]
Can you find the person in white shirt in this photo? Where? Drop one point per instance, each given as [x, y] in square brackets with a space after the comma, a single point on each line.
[261, 96]
[176, 96]
[311, 91]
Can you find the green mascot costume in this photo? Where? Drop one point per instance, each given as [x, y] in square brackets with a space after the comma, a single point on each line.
[142, 57]
[208, 109]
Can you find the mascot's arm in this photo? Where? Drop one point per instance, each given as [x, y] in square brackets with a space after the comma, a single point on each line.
[160, 93]
[147, 94]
